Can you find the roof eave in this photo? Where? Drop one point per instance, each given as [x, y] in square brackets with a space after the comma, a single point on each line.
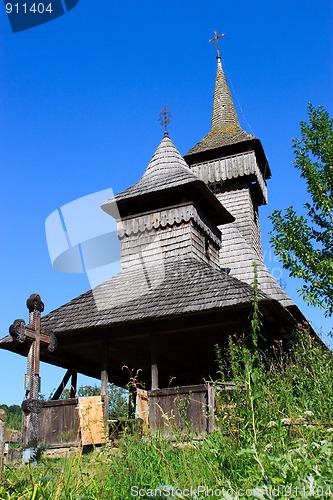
[160, 198]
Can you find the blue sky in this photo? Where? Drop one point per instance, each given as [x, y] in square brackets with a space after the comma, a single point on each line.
[80, 99]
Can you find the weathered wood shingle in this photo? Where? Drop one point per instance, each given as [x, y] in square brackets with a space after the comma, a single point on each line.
[175, 288]
[166, 181]
[225, 128]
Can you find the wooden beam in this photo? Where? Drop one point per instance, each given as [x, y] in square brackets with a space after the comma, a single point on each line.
[165, 325]
[154, 367]
[131, 402]
[73, 385]
[105, 380]
[211, 408]
[62, 384]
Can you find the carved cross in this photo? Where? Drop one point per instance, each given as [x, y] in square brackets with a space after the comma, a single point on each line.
[31, 333]
[216, 39]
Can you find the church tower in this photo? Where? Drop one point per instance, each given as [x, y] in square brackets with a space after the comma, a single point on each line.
[233, 164]
[168, 214]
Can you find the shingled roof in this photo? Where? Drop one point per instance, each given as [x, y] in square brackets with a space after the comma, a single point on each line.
[167, 180]
[167, 289]
[219, 138]
[238, 255]
[166, 169]
[225, 127]
[189, 304]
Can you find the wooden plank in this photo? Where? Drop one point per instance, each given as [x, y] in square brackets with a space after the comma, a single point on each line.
[211, 407]
[154, 368]
[142, 398]
[91, 420]
[105, 380]
[60, 402]
[132, 402]
[2, 440]
[178, 390]
[59, 423]
[197, 412]
[182, 407]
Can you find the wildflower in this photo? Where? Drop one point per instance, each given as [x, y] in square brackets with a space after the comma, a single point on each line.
[285, 421]
[330, 429]
[308, 414]
[272, 424]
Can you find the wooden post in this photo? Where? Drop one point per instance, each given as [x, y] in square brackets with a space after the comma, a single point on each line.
[73, 385]
[105, 381]
[2, 440]
[33, 391]
[131, 403]
[211, 409]
[154, 368]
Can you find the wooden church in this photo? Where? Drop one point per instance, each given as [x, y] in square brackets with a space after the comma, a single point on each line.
[190, 235]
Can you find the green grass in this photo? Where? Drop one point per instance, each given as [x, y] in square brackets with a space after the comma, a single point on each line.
[274, 439]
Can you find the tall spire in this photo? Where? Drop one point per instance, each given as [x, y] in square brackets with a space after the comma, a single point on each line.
[224, 114]
[225, 128]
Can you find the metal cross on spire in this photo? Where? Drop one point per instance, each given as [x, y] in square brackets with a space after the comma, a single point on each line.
[216, 39]
[165, 119]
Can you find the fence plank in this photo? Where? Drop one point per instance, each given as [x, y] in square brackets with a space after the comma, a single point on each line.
[2, 440]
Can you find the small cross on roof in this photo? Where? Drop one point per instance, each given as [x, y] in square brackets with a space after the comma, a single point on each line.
[165, 119]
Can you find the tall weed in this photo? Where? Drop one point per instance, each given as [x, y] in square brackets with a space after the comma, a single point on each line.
[273, 438]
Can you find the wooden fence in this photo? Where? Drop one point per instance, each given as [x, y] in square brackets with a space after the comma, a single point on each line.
[187, 409]
[2, 439]
[69, 422]
[79, 421]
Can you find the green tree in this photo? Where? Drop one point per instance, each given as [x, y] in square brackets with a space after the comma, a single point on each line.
[85, 391]
[304, 243]
[14, 416]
